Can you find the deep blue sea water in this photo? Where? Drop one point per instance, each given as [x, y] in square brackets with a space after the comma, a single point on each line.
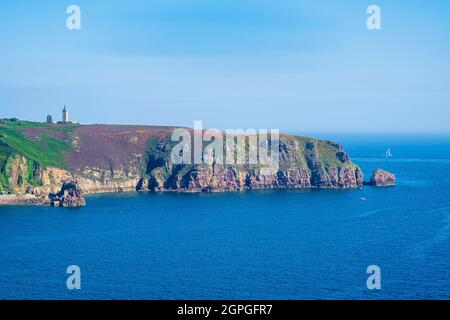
[287, 244]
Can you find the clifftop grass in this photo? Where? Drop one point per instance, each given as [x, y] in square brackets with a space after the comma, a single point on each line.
[43, 149]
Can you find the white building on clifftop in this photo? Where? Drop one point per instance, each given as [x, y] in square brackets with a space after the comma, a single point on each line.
[65, 117]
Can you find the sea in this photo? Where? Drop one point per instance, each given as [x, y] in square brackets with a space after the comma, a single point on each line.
[273, 244]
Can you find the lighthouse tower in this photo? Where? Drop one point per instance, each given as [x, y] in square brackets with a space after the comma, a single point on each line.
[65, 115]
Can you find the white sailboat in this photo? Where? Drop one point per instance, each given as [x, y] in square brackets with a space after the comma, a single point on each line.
[388, 153]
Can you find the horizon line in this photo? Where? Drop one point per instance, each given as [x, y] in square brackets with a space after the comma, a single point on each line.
[284, 131]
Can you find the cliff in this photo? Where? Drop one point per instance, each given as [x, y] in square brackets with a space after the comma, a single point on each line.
[38, 159]
[304, 163]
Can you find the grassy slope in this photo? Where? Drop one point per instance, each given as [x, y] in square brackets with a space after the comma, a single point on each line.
[45, 150]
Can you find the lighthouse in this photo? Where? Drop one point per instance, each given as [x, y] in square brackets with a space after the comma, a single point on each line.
[65, 115]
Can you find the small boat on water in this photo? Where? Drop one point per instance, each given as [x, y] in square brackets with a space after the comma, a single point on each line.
[363, 198]
[388, 153]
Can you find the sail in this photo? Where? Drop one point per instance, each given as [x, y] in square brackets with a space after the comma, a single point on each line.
[388, 153]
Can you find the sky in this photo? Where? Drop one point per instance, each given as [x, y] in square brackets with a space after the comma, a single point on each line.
[293, 65]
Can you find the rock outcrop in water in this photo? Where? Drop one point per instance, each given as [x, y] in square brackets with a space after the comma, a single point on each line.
[382, 178]
[70, 196]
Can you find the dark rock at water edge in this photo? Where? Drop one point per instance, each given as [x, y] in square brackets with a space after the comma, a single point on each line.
[70, 195]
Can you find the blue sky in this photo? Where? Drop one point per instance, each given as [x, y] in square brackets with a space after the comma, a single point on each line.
[299, 66]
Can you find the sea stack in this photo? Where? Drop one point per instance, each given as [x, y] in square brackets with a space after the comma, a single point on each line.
[70, 196]
[382, 178]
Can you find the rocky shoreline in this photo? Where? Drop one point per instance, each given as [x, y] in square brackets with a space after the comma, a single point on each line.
[23, 200]
[71, 195]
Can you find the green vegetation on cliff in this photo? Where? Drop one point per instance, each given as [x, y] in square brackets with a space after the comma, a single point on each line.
[40, 144]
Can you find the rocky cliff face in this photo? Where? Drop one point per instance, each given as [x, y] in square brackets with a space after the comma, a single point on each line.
[304, 163]
[125, 158]
[17, 171]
